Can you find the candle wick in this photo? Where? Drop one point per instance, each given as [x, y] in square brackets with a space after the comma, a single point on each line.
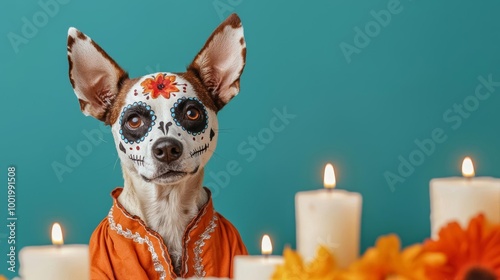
[266, 256]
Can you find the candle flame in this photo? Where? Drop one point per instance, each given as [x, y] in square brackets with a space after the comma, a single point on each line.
[57, 236]
[267, 246]
[329, 178]
[468, 168]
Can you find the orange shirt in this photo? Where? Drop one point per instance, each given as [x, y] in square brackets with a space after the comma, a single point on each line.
[123, 247]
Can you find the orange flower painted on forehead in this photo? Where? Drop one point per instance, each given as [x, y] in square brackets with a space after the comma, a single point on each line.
[160, 85]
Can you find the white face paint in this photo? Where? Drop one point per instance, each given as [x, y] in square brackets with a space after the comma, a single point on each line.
[164, 107]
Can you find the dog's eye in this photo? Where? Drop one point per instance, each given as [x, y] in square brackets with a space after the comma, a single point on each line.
[190, 114]
[134, 122]
[193, 114]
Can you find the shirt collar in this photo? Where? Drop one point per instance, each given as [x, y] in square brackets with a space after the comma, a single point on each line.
[196, 227]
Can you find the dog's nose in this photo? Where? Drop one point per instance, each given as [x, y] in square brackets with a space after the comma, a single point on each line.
[167, 150]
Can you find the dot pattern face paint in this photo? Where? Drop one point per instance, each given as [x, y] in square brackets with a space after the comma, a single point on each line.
[136, 121]
[190, 114]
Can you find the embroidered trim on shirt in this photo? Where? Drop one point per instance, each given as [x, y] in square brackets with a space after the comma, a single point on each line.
[160, 241]
[198, 248]
[186, 267]
[136, 237]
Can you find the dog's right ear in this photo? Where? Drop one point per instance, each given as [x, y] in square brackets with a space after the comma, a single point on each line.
[220, 62]
[94, 75]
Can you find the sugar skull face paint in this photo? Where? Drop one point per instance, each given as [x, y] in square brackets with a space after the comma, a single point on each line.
[191, 115]
[164, 128]
[162, 84]
[136, 121]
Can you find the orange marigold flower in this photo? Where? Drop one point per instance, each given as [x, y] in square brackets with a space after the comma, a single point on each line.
[323, 267]
[472, 253]
[386, 262]
[160, 85]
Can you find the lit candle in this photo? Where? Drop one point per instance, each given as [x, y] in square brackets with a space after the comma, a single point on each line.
[56, 262]
[461, 198]
[266, 246]
[328, 217]
[257, 267]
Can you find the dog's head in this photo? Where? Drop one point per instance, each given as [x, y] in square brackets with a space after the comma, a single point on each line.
[164, 124]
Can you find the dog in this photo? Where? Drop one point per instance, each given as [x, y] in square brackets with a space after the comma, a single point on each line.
[162, 224]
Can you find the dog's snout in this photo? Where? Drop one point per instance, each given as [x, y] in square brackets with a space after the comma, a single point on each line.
[167, 150]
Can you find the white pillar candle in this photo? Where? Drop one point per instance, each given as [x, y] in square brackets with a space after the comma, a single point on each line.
[257, 267]
[461, 198]
[56, 262]
[331, 218]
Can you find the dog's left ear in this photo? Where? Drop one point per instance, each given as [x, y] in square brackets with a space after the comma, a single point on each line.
[94, 75]
[220, 62]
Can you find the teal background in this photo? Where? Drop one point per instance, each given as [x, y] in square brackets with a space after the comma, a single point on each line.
[360, 115]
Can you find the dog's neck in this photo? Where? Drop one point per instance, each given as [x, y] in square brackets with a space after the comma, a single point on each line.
[167, 209]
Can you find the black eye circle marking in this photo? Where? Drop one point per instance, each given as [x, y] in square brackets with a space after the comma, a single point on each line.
[136, 121]
[190, 114]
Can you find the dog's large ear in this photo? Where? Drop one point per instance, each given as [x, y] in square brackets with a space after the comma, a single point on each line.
[220, 62]
[95, 77]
